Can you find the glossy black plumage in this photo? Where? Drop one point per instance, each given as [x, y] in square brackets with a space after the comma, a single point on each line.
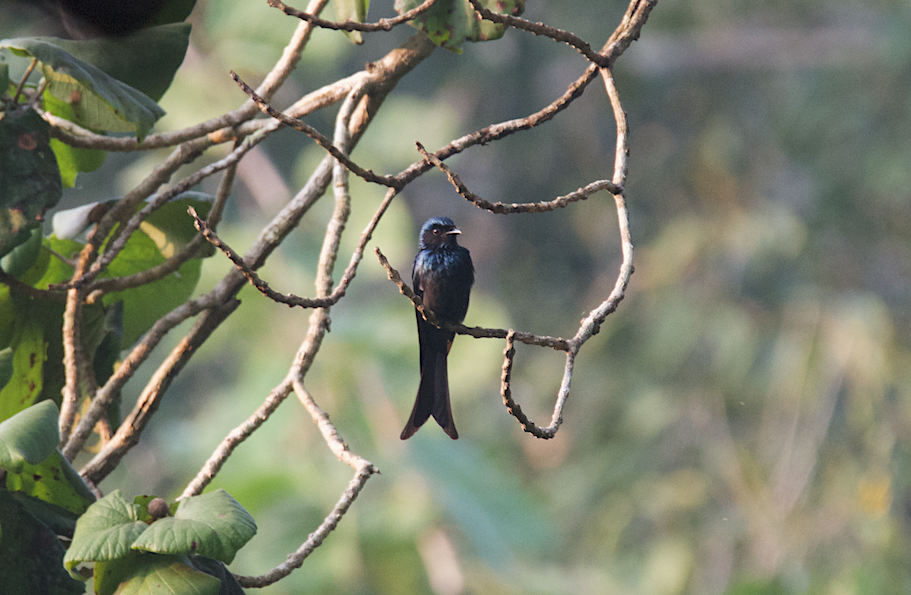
[442, 277]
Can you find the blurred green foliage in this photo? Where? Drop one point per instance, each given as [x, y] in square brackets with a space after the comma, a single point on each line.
[740, 426]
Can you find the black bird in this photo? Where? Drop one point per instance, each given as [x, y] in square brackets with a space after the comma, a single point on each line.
[442, 277]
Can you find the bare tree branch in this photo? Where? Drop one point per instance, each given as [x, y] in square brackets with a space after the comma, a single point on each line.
[33, 292]
[315, 135]
[216, 130]
[171, 265]
[319, 324]
[319, 321]
[315, 539]
[541, 29]
[80, 380]
[592, 323]
[381, 25]
[501, 208]
[362, 94]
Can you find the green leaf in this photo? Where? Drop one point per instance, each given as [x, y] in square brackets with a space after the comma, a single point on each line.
[150, 574]
[30, 553]
[105, 532]
[60, 520]
[29, 355]
[30, 436]
[23, 256]
[352, 10]
[71, 160]
[145, 60]
[54, 481]
[229, 584]
[213, 525]
[450, 23]
[29, 176]
[99, 101]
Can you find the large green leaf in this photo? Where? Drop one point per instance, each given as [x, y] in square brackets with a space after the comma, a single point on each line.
[30, 552]
[151, 574]
[54, 481]
[229, 583]
[145, 60]
[213, 525]
[450, 23]
[29, 176]
[29, 355]
[106, 531]
[22, 257]
[99, 101]
[133, 557]
[48, 316]
[71, 160]
[30, 436]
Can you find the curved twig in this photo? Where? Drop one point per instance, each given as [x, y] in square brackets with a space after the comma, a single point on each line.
[558, 35]
[501, 208]
[381, 25]
[320, 139]
[460, 329]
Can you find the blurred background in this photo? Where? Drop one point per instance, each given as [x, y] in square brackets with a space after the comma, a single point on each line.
[740, 425]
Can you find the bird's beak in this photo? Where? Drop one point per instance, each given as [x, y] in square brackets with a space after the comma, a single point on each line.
[454, 230]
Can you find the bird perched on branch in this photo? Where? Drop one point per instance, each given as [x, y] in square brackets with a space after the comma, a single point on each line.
[442, 277]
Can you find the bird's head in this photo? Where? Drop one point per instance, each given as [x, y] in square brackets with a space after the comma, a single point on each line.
[439, 231]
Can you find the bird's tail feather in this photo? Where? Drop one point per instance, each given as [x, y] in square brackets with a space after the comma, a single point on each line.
[442, 410]
[432, 398]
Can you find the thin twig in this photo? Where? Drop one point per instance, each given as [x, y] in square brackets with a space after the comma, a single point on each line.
[381, 25]
[501, 208]
[460, 329]
[363, 470]
[330, 434]
[315, 539]
[254, 279]
[173, 263]
[592, 323]
[319, 325]
[321, 140]
[495, 132]
[79, 379]
[33, 292]
[224, 128]
[558, 35]
[21, 85]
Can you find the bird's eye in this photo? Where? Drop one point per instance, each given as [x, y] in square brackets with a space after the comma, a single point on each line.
[436, 231]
